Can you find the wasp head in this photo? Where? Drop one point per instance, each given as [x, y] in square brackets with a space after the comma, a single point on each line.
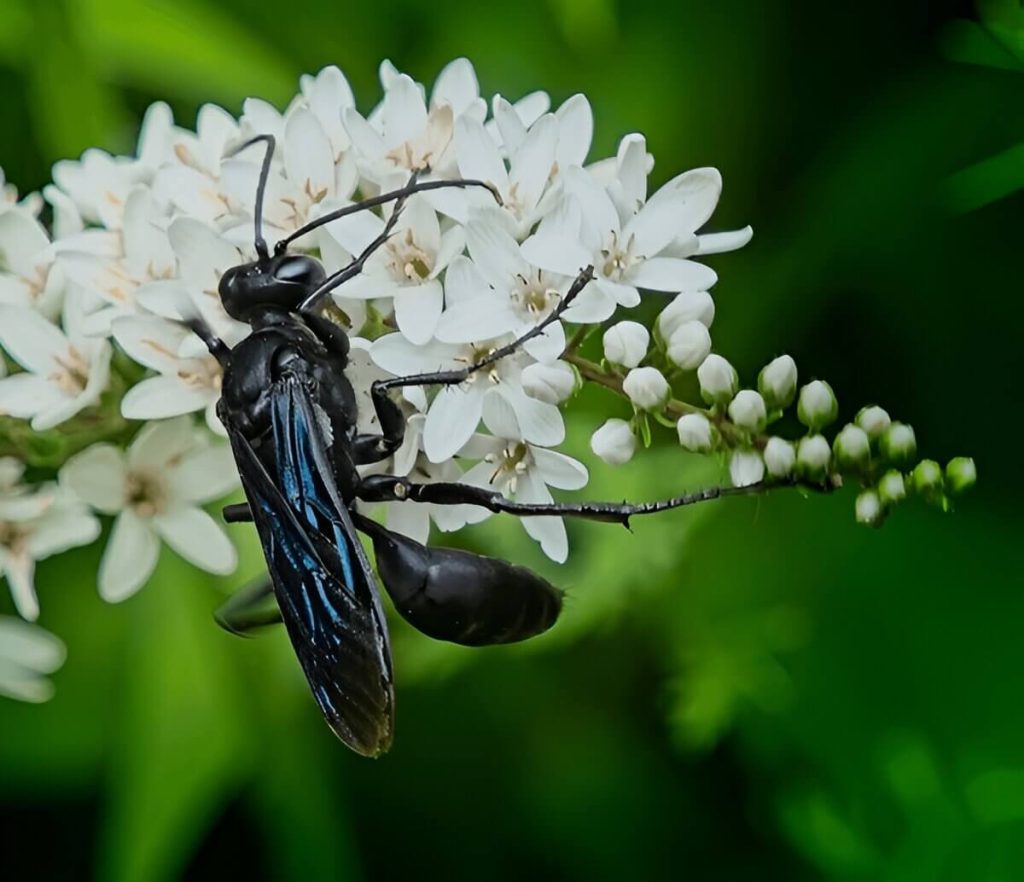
[280, 282]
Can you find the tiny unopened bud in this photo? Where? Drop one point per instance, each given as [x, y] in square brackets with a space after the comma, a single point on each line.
[892, 488]
[625, 343]
[695, 433]
[898, 443]
[747, 410]
[961, 474]
[718, 380]
[868, 508]
[647, 388]
[777, 382]
[817, 406]
[614, 442]
[550, 383]
[873, 420]
[690, 306]
[745, 468]
[927, 480]
[852, 446]
[779, 457]
[813, 456]
[689, 345]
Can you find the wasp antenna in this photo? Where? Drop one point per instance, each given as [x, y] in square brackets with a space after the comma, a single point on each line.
[261, 188]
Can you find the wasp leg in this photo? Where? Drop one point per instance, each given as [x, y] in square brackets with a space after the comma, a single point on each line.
[387, 488]
[249, 608]
[218, 348]
[238, 513]
[379, 390]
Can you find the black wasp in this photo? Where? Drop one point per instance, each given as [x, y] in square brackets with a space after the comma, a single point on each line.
[290, 413]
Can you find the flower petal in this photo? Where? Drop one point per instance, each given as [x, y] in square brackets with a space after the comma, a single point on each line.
[671, 274]
[532, 163]
[451, 421]
[129, 558]
[548, 531]
[20, 571]
[97, 476]
[539, 422]
[417, 309]
[205, 474]
[158, 398]
[478, 318]
[198, 538]
[559, 470]
[159, 443]
[575, 131]
[478, 154]
[308, 157]
[717, 243]
[30, 339]
[25, 395]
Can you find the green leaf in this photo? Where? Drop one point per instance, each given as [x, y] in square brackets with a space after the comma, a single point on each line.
[987, 181]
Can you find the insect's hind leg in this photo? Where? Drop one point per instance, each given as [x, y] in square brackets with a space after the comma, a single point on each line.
[249, 608]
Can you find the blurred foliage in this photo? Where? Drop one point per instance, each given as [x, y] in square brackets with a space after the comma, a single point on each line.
[753, 689]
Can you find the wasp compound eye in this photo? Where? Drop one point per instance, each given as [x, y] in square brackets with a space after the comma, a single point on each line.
[299, 270]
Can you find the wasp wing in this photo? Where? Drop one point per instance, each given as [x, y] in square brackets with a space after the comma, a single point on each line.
[322, 578]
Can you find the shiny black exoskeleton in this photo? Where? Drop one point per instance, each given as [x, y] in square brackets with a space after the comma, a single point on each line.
[290, 413]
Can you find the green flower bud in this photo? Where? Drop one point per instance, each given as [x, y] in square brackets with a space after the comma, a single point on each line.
[927, 480]
[852, 446]
[868, 508]
[961, 474]
[718, 380]
[813, 456]
[779, 457]
[898, 443]
[777, 382]
[891, 488]
[873, 420]
[817, 406]
[747, 410]
[696, 433]
[647, 388]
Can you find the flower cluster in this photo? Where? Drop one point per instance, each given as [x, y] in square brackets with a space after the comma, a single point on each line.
[106, 386]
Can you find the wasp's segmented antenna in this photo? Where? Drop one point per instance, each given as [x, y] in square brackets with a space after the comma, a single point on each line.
[261, 188]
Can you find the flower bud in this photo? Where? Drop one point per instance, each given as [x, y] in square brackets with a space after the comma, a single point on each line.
[868, 508]
[745, 468]
[747, 410]
[961, 474]
[625, 343]
[646, 388]
[779, 457]
[927, 480]
[550, 383]
[891, 488]
[813, 456]
[852, 446]
[898, 443]
[873, 420]
[817, 406]
[614, 442]
[695, 433]
[718, 380]
[777, 382]
[689, 306]
[689, 345]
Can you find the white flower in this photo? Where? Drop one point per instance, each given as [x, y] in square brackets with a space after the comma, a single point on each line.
[689, 345]
[718, 380]
[851, 446]
[184, 384]
[868, 508]
[813, 455]
[647, 388]
[686, 306]
[65, 372]
[777, 382]
[614, 442]
[817, 406]
[27, 275]
[551, 383]
[499, 292]
[34, 526]
[745, 468]
[873, 420]
[27, 655]
[406, 268]
[155, 489]
[455, 412]
[779, 457]
[695, 433]
[747, 410]
[523, 472]
[625, 343]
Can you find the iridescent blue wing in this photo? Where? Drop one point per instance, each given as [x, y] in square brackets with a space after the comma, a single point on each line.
[322, 578]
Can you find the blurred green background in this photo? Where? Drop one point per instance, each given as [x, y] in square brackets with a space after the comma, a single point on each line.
[758, 689]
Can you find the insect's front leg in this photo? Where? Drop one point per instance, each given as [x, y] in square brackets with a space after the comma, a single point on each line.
[249, 608]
